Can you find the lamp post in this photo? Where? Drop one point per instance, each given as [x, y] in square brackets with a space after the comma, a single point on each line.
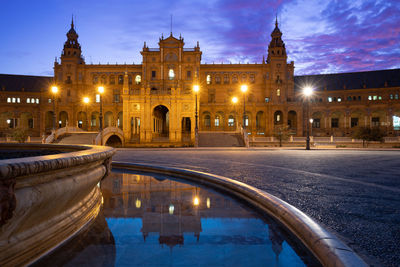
[100, 89]
[311, 122]
[307, 92]
[196, 90]
[234, 101]
[54, 90]
[86, 100]
[243, 88]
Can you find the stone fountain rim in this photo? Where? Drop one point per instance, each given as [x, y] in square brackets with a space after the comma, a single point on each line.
[75, 155]
[325, 246]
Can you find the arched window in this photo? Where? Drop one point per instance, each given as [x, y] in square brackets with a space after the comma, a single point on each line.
[130, 79]
[171, 74]
[278, 92]
[95, 79]
[231, 121]
[208, 79]
[207, 120]
[217, 121]
[120, 79]
[103, 79]
[112, 79]
[138, 79]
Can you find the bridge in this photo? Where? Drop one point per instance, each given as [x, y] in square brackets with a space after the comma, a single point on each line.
[112, 136]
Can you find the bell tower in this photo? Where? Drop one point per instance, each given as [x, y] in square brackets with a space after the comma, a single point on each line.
[72, 51]
[281, 73]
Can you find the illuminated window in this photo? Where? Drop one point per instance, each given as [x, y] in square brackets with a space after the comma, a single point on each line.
[278, 92]
[391, 96]
[97, 98]
[339, 99]
[208, 79]
[246, 120]
[8, 99]
[369, 97]
[278, 117]
[37, 100]
[138, 79]
[49, 100]
[375, 97]
[231, 121]
[13, 100]
[216, 121]
[329, 99]
[266, 99]
[171, 74]
[396, 96]
[379, 97]
[28, 100]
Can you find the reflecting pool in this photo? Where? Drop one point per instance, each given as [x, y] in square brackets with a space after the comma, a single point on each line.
[159, 221]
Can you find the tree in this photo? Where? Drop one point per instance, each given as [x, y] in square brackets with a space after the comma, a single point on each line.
[367, 134]
[20, 135]
[282, 133]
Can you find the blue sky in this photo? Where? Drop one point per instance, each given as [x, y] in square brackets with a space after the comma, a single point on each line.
[321, 36]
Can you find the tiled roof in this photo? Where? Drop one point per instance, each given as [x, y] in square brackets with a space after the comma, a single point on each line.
[348, 81]
[15, 83]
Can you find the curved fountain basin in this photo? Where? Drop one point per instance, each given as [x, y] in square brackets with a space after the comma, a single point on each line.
[45, 200]
[156, 220]
[326, 247]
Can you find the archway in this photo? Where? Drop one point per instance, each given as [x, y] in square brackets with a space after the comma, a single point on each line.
[62, 119]
[114, 141]
[108, 119]
[161, 121]
[135, 129]
[206, 120]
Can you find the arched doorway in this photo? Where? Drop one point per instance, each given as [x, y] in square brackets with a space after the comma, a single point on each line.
[108, 119]
[161, 121]
[135, 129]
[62, 119]
[114, 141]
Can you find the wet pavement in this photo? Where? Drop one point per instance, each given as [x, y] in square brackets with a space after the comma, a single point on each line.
[355, 194]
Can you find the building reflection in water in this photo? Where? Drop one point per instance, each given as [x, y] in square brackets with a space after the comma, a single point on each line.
[198, 225]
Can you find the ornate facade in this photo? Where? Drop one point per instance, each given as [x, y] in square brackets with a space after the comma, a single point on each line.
[154, 101]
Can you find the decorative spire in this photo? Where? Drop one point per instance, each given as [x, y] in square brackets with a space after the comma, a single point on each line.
[72, 22]
[276, 20]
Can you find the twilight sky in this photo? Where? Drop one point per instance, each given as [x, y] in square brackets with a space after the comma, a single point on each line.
[321, 36]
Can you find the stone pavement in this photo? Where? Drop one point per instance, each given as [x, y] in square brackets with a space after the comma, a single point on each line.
[355, 194]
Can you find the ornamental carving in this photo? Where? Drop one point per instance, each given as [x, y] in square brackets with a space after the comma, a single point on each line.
[8, 201]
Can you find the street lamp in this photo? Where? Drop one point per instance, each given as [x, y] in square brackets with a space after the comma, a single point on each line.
[86, 100]
[311, 122]
[307, 92]
[243, 88]
[196, 90]
[100, 89]
[54, 91]
[234, 101]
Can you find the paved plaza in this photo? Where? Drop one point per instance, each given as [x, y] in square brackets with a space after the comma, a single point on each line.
[355, 194]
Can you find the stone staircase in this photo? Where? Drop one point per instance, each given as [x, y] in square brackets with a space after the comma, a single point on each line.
[82, 138]
[220, 139]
